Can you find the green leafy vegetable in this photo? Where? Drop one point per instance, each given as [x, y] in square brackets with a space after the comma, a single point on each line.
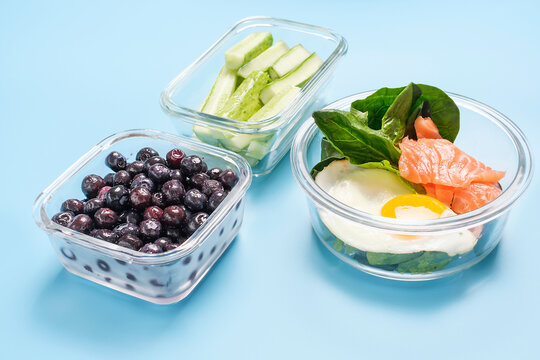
[355, 140]
[427, 262]
[394, 120]
[376, 105]
[444, 111]
[322, 164]
[328, 150]
[377, 258]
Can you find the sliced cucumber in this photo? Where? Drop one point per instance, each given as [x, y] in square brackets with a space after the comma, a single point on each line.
[240, 142]
[264, 60]
[276, 104]
[208, 135]
[244, 102]
[288, 62]
[247, 49]
[221, 91]
[298, 77]
[257, 149]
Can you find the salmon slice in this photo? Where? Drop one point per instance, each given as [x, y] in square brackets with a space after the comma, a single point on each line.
[465, 199]
[426, 129]
[474, 196]
[438, 161]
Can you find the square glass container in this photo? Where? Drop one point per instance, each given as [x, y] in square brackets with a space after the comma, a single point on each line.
[160, 278]
[272, 137]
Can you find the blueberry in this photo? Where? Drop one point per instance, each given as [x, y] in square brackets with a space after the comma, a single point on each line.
[174, 158]
[152, 161]
[216, 199]
[73, 205]
[214, 173]
[173, 215]
[92, 205]
[176, 174]
[126, 228]
[142, 180]
[195, 222]
[140, 198]
[81, 223]
[63, 218]
[153, 212]
[171, 246]
[145, 154]
[117, 198]
[129, 216]
[105, 234]
[159, 173]
[151, 248]
[228, 178]
[102, 192]
[173, 191]
[132, 240]
[116, 161]
[195, 200]
[173, 233]
[162, 242]
[211, 186]
[109, 179]
[122, 177]
[91, 185]
[191, 165]
[135, 168]
[158, 199]
[150, 229]
[105, 218]
[198, 179]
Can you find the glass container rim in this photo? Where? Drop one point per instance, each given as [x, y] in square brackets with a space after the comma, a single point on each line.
[192, 116]
[471, 219]
[125, 254]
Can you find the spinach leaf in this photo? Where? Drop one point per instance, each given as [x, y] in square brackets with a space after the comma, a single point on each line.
[322, 164]
[328, 150]
[423, 109]
[394, 120]
[427, 262]
[376, 105]
[444, 112]
[354, 139]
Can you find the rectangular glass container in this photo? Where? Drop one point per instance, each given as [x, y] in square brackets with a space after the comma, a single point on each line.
[184, 95]
[160, 278]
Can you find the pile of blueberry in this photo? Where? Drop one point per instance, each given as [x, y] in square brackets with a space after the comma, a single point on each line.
[152, 204]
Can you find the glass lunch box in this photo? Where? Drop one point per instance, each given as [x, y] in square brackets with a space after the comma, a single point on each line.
[273, 136]
[162, 278]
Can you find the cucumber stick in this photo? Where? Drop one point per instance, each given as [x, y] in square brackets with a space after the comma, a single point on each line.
[221, 91]
[244, 102]
[276, 104]
[288, 61]
[264, 60]
[247, 49]
[298, 77]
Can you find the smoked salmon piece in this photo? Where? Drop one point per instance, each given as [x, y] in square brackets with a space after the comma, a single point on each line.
[465, 199]
[440, 162]
[426, 129]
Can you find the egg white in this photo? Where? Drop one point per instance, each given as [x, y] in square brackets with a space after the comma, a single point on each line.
[368, 190]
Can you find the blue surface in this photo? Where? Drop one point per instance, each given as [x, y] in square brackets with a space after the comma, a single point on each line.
[73, 72]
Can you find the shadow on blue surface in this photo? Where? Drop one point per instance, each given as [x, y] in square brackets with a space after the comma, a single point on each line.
[78, 307]
[415, 296]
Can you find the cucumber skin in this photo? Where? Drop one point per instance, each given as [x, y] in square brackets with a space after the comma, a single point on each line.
[267, 111]
[269, 91]
[280, 48]
[234, 63]
[222, 76]
[244, 102]
[274, 74]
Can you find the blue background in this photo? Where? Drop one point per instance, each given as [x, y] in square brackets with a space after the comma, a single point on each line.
[72, 73]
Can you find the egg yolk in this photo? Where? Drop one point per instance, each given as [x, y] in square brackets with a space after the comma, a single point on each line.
[418, 206]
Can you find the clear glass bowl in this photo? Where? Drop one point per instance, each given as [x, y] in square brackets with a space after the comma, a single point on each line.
[160, 278]
[503, 147]
[184, 95]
